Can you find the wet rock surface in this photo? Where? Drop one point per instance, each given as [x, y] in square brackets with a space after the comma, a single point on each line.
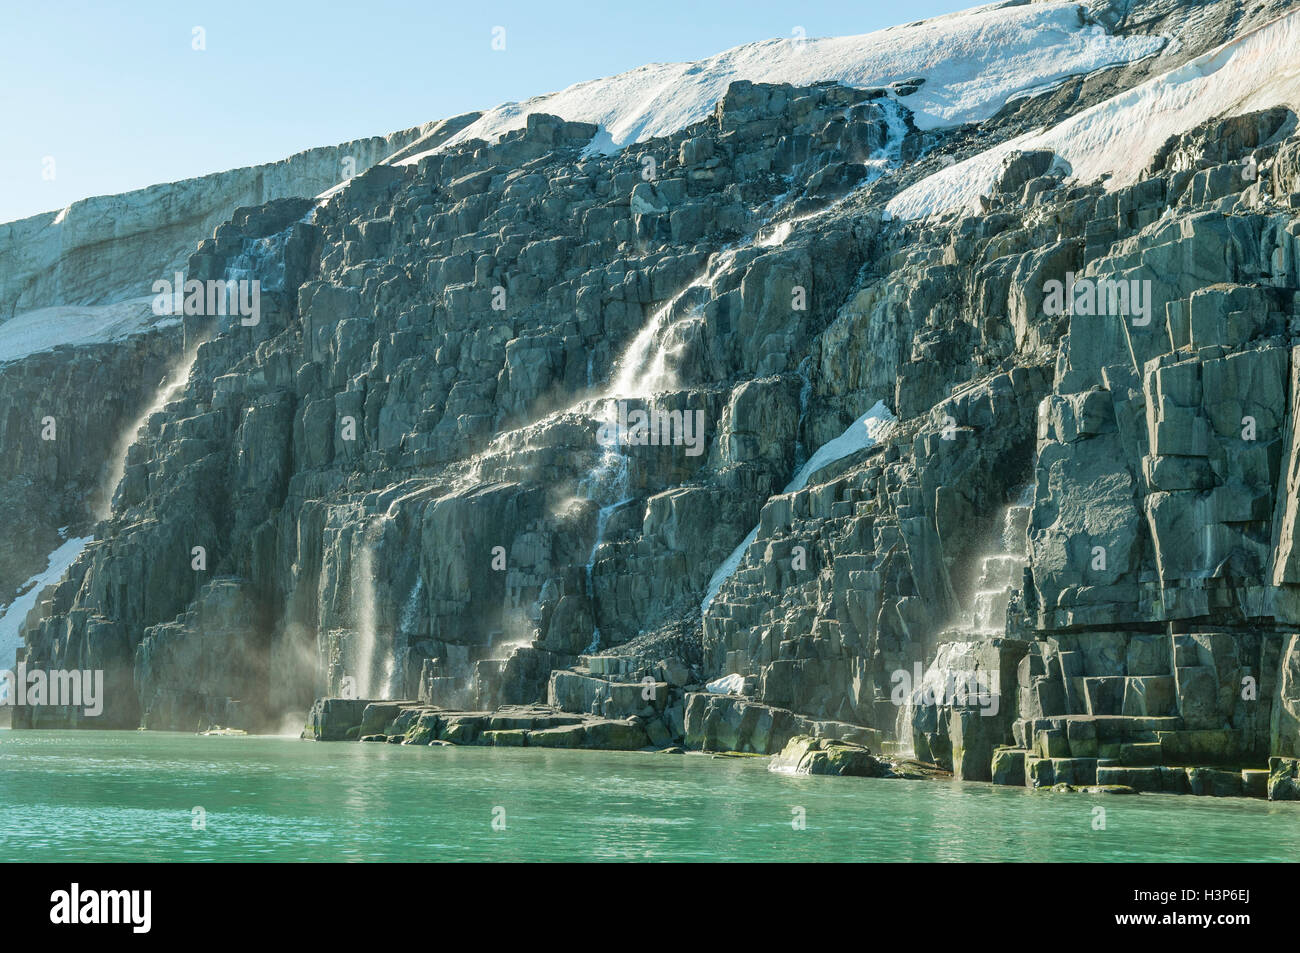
[805, 755]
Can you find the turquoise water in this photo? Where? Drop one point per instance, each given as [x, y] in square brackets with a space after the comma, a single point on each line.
[130, 796]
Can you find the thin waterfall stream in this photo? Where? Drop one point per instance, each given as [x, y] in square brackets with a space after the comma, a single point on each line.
[1001, 570]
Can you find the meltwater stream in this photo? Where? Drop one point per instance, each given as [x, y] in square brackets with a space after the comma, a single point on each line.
[103, 795]
[175, 378]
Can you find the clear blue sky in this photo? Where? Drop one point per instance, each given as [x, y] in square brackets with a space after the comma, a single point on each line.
[118, 97]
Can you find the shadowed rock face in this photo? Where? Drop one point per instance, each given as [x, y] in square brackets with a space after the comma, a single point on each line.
[391, 485]
[61, 483]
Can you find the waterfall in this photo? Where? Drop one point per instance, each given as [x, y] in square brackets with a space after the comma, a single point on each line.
[608, 480]
[412, 607]
[950, 680]
[1210, 559]
[1001, 570]
[643, 370]
[904, 743]
[601, 519]
[176, 376]
[389, 682]
[502, 650]
[365, 616]
[261, 259]
[363, 613]
[395, 681]
[805, 395]
[646, 368]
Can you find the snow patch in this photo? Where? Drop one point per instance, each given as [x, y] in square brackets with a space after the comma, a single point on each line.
[1119, 137]
[732, 684]
[972, 62]
[46, 328]
[13, 616]
[864, 432]
[727, 569]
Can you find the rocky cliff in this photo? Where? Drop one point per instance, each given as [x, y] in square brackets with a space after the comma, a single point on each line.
[916, 433]
[113, 247]
[81, 347]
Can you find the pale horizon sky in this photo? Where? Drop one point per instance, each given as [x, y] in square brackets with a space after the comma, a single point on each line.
[120, 99]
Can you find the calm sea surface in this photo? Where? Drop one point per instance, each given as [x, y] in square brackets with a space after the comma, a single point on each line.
[132, 796]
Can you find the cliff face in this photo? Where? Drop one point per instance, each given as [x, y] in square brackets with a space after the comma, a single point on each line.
[49, 483]
[80, 346]
[407, 478]
[113, 247]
